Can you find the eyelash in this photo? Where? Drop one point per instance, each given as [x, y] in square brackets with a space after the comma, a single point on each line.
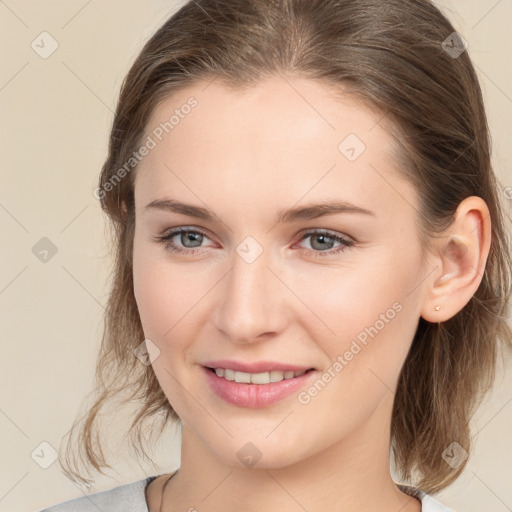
[166, 240]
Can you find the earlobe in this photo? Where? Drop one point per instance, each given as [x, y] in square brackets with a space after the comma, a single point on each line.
[461, 256]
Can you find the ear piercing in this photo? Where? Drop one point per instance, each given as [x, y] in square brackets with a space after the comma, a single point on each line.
[437, 308]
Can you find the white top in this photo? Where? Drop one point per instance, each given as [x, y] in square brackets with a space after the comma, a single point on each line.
[132, 498]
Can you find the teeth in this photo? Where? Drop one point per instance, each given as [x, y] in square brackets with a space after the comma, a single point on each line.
[257, 378]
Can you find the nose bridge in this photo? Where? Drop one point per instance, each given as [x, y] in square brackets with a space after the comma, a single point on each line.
[250, 302]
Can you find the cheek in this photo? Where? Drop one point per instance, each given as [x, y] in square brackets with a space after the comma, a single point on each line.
[168, 297]
[342, 301]
[152, 287]
[363, 313]
[159, 306]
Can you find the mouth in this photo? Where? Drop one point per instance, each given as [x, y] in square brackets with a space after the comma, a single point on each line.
[255, 390]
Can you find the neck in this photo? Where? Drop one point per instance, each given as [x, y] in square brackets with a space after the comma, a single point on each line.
[349, 475]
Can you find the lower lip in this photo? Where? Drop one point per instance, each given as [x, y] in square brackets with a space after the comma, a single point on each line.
[255, 395]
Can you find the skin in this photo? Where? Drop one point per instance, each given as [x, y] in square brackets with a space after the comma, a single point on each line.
[246, 155]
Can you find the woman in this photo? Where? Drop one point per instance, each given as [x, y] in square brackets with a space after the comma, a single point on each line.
[311, 258]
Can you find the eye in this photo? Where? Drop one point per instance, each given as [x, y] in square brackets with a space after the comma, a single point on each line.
[322, 240]
[187, 235]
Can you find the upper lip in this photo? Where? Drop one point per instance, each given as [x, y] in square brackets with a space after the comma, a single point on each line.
[256, 367]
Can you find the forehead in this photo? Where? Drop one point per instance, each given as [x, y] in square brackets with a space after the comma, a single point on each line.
[283, 138]
[280, 109]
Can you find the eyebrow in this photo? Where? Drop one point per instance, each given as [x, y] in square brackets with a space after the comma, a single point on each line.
[287, 215]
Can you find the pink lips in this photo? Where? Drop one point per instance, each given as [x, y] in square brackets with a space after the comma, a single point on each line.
[254, 395]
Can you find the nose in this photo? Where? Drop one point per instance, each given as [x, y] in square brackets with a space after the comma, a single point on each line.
[251, 303]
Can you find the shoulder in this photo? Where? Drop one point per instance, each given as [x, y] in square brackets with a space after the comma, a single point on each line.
[123, 498]
[428, 503]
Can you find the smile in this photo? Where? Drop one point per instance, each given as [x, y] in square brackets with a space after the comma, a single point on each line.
[254, 390]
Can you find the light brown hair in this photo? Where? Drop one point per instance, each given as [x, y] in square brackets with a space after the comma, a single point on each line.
[390, 55]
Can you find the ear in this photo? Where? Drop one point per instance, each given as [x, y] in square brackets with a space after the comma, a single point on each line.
[460, 257]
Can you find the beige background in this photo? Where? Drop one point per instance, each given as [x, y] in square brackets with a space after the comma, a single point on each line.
[56, 113]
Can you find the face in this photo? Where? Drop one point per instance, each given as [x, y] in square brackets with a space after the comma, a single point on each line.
[338, 291]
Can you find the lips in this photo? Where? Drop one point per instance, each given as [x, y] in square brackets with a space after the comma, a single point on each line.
[255, 395]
